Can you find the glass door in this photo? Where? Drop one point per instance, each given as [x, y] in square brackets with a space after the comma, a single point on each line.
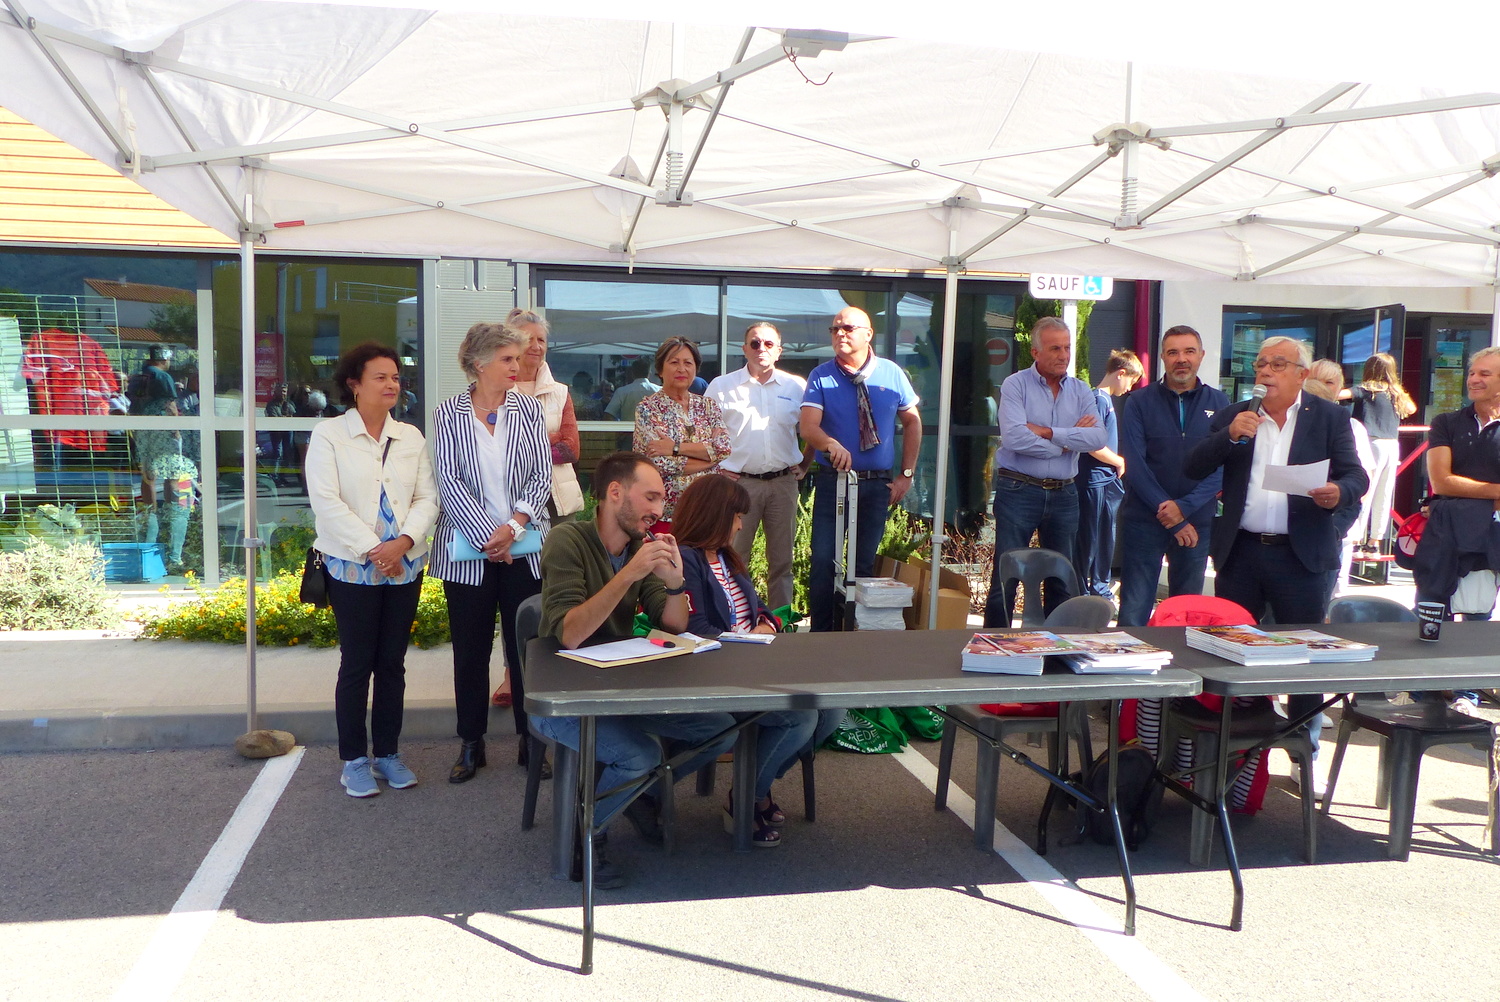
[1358, 334]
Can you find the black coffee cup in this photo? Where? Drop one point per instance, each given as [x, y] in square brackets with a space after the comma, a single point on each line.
[1429, 620]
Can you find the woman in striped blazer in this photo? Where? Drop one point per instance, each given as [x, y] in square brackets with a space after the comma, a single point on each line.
[494, 476]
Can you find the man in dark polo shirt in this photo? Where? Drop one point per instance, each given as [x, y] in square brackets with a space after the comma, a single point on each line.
[1166, 513]
[1463, 466]
[849, 415]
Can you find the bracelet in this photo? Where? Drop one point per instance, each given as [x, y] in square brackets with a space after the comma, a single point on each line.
[677, 591]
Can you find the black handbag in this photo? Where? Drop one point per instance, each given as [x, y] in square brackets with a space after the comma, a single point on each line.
[314, 590]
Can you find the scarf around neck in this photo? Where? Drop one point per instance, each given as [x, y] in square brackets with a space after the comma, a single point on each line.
[869, 437]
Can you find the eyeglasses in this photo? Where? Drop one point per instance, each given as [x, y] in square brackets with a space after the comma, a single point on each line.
[846, 328]
[1276, 364]
[756, 344]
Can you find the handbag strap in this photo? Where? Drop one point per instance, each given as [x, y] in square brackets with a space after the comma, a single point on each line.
[387, 451]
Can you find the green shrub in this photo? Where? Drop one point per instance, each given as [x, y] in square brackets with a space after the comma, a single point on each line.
[55, 587]
[281, 620]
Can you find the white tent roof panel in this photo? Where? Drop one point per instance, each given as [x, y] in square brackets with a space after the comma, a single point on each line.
[460, 132]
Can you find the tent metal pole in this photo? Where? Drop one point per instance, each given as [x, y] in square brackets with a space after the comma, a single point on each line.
[247, 408]
[945, 413]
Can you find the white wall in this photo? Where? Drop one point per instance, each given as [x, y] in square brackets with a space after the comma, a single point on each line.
[1200, 305]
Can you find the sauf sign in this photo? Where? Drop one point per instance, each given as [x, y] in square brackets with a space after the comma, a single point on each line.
[1071, 287]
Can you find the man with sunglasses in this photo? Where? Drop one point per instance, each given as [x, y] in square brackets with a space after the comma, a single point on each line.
[849, 415]
[761, 406]
[1276, 552]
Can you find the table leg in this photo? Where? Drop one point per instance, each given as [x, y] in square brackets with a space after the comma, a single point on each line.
[1112, 796]
[1221, 801]
[586, 738]
[744, 786]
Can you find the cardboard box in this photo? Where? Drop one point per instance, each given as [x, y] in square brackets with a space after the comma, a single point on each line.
[953, 592]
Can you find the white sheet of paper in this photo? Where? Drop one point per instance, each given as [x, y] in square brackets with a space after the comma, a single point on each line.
[1296, 479]
[621, 650]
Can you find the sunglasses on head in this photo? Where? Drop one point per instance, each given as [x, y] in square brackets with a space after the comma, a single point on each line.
[845, 328]
[756, 344]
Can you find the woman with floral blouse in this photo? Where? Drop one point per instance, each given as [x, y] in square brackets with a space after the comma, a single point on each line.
[682, 433]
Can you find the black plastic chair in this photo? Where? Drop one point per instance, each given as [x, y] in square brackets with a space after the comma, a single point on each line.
[564, 762]
[1031, 566]
[1355, 609]
[1407, 731]
[1087, 612]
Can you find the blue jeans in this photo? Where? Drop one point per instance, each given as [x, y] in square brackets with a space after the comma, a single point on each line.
[1140, 565]
[874, 501]
[628, 751]
[1098, 507]
[783, 735]
[1020, 510]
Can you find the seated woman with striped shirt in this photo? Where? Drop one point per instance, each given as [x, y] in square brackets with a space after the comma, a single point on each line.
[721, 599]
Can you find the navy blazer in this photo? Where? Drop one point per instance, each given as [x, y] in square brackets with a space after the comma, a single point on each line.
[1322, 432]
[709, 613]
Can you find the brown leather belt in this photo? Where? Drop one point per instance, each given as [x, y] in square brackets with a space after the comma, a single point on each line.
[1045, 483]
[1268, 538]
[773, 475]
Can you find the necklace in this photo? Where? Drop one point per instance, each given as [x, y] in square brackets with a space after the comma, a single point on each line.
[490, 413]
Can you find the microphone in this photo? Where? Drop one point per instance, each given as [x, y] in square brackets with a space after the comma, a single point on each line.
[1257, 396]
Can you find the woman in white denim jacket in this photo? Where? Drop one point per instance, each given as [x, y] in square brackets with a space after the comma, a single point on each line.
[374, 503]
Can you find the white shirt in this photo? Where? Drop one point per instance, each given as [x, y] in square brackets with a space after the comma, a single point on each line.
[761, 418]
[1265, 511]
[492, 466]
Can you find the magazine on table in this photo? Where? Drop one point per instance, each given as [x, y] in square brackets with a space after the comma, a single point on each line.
[1325, 649]
[1116, 649]
[1012, 653]
[1247, 645]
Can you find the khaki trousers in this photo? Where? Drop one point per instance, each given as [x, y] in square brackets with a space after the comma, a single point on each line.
[773, 503]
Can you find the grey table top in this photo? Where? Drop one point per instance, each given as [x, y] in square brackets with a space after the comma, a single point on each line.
[1466, 657]
[816, 670]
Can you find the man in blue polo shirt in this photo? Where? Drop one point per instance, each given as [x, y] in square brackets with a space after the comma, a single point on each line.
[1047, 419]
[849, 416]
[1165, 512]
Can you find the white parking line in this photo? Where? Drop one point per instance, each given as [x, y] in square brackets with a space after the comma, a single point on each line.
[1147, 970]
[162, 964]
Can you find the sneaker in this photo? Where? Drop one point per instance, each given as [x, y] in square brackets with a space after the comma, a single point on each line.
[357, 779]
[1467, 707]
[1320, 785]
[394, 772]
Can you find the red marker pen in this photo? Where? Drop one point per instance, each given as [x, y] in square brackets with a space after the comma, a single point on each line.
[659, 643]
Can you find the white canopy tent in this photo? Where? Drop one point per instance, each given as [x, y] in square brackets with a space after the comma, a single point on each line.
[460, 132]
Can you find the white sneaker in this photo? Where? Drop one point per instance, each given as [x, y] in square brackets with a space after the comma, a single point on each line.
[1320, 785]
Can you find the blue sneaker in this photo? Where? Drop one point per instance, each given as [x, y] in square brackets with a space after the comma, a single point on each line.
[394, 771]
[357, 779]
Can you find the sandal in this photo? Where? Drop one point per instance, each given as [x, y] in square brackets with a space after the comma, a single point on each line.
[772, 815]
[501, 698]
[763, 837]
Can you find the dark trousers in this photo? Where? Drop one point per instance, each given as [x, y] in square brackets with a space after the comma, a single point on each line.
[874, 501]
[1020, 510]
[374, 623]
[1146, 544]
[471, 618]
[1271, 579]
[1098, 507]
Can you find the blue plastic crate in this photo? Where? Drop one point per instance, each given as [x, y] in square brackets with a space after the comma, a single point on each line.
[133, 562]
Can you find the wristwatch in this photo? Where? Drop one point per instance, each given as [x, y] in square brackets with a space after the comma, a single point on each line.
[676, 448]
[909, 473]
[517, 530]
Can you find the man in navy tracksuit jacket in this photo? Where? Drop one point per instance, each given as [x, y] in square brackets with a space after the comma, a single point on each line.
[1166, 513]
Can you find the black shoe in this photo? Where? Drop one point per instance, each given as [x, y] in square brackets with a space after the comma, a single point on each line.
[470, 759]
[607, 876]
[642, 813]
[523, 758]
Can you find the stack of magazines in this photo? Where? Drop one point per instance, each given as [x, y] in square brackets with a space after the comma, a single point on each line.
[1323, 649]
[1114, 653]
[1013, 653]
[1248, 646]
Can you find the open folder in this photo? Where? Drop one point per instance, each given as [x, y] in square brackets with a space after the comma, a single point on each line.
[653, 647]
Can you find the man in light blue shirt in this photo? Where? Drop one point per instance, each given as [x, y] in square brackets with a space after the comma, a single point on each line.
[1047, 418]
